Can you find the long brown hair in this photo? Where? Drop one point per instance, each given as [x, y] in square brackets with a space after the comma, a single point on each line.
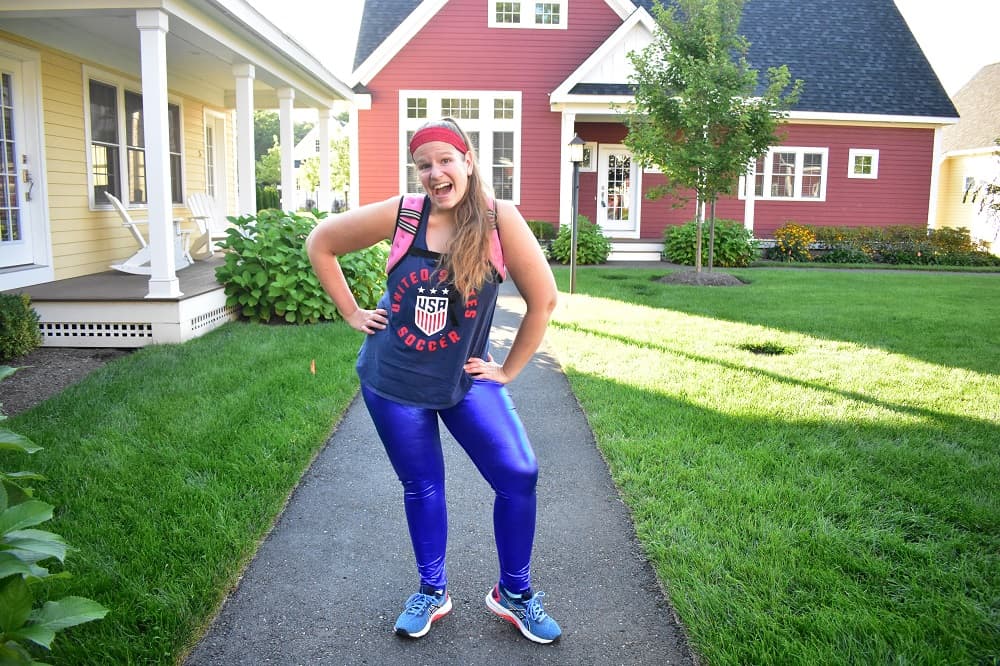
[468, 254]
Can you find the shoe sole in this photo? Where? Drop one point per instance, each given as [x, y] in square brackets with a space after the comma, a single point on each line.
[502, 612]
[437, 615]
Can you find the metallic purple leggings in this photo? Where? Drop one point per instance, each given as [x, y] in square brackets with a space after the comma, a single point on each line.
[486, 425]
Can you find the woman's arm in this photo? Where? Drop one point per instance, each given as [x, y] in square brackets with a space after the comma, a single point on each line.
[337, 235]
[527, 266]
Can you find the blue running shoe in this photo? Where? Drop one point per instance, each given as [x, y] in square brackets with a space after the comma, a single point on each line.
[525, 614]
[421, 610]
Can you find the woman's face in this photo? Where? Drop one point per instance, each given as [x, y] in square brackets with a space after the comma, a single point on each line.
[444, 172]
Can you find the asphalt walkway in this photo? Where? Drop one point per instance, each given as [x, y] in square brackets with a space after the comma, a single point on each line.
[330, 579]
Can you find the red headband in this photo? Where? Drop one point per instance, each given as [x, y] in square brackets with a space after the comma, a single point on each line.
[437, 133]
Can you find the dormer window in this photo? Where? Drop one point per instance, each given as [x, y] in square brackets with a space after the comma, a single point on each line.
[530, 14]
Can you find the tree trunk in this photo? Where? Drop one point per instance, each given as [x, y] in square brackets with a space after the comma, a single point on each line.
[711, 236]
[699, 210]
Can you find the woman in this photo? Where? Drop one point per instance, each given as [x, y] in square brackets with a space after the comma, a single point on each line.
[426, 355]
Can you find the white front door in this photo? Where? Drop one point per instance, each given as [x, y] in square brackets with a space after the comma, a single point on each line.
[19, 198]
[616, 176]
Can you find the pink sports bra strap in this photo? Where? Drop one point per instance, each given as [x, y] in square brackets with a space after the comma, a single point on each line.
[411, 208]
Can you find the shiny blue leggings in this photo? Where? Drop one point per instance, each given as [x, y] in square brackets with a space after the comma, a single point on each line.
[486, 425]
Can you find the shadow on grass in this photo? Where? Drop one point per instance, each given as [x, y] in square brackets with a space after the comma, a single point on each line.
[810, 541]
[950, 319]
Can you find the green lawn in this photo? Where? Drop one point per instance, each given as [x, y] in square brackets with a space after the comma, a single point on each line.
[169, 465]
[837, 502]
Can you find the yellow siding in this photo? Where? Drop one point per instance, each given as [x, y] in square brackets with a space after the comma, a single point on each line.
[87, 241]
[951, 211]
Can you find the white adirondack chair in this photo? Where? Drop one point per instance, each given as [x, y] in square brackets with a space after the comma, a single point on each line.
[138, 263]
[211, 224]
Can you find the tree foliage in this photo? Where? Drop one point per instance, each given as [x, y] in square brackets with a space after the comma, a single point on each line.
[340, 167]
[987, 194]
[701, 115]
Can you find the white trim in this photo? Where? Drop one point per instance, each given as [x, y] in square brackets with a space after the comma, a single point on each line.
[590, 165]
[825, 117]
[485, 125]
[120, 83]
[852, 157]
[409, 28]
[640, 17]
[395, 42]
[935, 185]
[972, 152]
[800, 152]
[526, 15]
[32, 133]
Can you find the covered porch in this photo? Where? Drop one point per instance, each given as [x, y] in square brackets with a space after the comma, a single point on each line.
[113, 309]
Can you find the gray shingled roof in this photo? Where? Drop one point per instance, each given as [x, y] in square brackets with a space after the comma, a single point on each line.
[979, 103]
[855, 56]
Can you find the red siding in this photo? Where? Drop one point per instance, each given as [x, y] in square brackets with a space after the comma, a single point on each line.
[456, 51]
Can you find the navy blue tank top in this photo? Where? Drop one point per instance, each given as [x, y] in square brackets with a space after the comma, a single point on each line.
[417, 359]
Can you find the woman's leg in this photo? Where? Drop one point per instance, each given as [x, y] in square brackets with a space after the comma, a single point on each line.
[486, 425]
[412, 441]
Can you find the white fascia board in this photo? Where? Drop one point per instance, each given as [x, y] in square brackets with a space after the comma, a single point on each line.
[622, 7]
[973, 152]
[591, 104]
[819, 117]
[639, 17]
[395, 42]
[285, 58]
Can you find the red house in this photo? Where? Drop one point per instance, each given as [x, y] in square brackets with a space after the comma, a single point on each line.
[522, 77]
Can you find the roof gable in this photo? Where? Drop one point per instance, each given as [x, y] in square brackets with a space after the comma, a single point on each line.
[979, 105]
[387, 25]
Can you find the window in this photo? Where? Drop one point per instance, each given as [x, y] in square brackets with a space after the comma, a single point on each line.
[862, 163]
[790, 173]
[495, 136]
[547, 15]
[589, 162]
[118, 145]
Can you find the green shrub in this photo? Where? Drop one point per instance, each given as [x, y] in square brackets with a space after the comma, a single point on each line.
[543, 231]
[19, 332]
[267, 273]
[792, 242]
[592, 247]
[734, 245]
[23, 549]
[268, 197]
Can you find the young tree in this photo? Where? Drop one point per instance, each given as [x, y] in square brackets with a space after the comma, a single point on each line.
[700, 115]
[340, 167]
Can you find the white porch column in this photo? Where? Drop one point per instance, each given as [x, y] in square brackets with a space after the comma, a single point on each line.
[566, 135]
[246, 169]
[286, 138]
[153, 26]
[324, 201]
[354, 132]
[935, 180]
[750, 200]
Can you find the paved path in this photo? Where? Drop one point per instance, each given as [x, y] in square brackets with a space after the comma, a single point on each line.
[328, 582]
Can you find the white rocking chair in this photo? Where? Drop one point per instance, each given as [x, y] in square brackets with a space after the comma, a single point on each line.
[211, 225]
[138, 263]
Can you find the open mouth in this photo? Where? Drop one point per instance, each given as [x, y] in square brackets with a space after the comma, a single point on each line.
[442, 190]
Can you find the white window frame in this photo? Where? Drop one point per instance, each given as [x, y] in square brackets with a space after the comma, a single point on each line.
[589, 151]
[120, 84]
[527, 15]
[800, 152]
[485, 125]
[852, 156]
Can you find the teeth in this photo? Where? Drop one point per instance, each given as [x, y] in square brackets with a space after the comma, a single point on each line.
[442, 186]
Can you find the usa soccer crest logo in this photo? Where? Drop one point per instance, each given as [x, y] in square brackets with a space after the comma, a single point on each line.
[431, 314]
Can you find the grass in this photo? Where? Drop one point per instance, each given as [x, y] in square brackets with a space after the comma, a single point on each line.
[811, 461]
[835, 500]
[169, 465]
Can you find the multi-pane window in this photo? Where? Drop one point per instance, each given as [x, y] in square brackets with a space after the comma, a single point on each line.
[550, 14]
[118, 145]
[494, 136]
[546, 13]
[460, 108]
[508, 12]
[790, 173]
[862, 163]
[210, 159]
[416, 107]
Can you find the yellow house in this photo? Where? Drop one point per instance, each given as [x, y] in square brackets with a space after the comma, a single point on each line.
[149, 101]
[970, 157]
